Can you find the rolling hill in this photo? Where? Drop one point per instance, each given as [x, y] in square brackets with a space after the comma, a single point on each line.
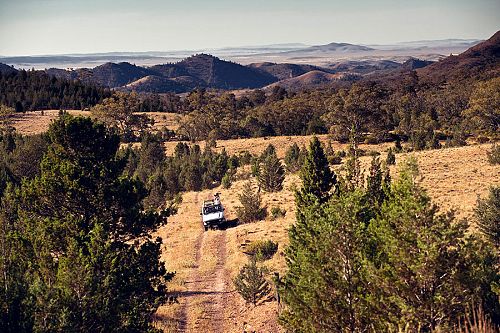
[480, 61]
[284, 71]
[200, 70]
[312, 79]
[6, 69]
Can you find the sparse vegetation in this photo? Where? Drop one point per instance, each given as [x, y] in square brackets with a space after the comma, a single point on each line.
[494, 154]
[261, 249]
[277, 212]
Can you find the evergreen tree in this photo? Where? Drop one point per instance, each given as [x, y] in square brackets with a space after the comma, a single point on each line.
[292, 158]
[251, 209]
[375, 184]
[93, 265]
[251, 283]
[488, 216]
[317, 178]
[272, 173]
[419, 255]
[326, 287]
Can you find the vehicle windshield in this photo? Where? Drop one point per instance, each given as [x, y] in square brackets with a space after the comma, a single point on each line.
[212, 209]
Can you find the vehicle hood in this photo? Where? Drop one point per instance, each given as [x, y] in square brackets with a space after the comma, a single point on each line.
[213, 216]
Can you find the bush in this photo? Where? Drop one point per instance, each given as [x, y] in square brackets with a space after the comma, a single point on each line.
[397, 145]
[251, 283]
[262, 249]
[292, 158]
[277, 212]
[245, 158]
[251, 209]
[482, 139]
[494, 154]
[227, 180]
[391, 158]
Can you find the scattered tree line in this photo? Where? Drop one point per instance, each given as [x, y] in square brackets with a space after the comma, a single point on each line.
[419, 113]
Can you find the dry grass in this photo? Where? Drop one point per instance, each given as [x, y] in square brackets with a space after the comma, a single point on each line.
[34, 122]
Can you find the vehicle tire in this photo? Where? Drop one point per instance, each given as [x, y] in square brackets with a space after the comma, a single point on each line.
[206, 228]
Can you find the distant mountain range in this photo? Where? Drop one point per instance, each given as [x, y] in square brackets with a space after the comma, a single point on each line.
[321, 55]
[208, 71]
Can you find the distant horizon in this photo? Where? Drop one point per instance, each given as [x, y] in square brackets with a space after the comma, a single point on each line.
[246, 46]
[58, 27]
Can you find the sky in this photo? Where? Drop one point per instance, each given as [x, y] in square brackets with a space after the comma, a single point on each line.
[38, 27]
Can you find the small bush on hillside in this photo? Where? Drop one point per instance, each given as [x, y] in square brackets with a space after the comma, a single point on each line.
[391, 158]
[397, 145]
[335, 159]
[482, 139]
[262, 249]
[245, 158]
[494, 154]
[277, 212]
[227, 180]
[292, 158]
[250, 210]
[251, 283]
[457, 139]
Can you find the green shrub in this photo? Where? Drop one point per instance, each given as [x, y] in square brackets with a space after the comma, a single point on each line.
[397, 145]
[277, 212]
[494, 154]
[292, 158]
[262, 249]
[245, 158]
[391, 158]
[227, 180]
[482, 139]
[250, 210]
[251, 283]
[271, 174]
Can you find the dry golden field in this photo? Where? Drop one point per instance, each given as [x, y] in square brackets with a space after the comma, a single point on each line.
[35, 122]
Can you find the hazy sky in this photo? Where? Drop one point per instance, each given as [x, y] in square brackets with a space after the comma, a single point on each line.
[80, 26]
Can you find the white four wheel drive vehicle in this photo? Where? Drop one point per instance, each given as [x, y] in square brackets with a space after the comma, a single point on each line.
[212, 213]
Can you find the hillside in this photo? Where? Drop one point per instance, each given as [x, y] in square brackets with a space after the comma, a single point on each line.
[217, 73]
[200, 70]
[6, 69]
[480, 61]
[155, 84]
[284, 71]
[312, 79]
[337, 47]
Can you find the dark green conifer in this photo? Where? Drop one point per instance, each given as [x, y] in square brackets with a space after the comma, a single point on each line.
[271, 174]
[251, 283]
